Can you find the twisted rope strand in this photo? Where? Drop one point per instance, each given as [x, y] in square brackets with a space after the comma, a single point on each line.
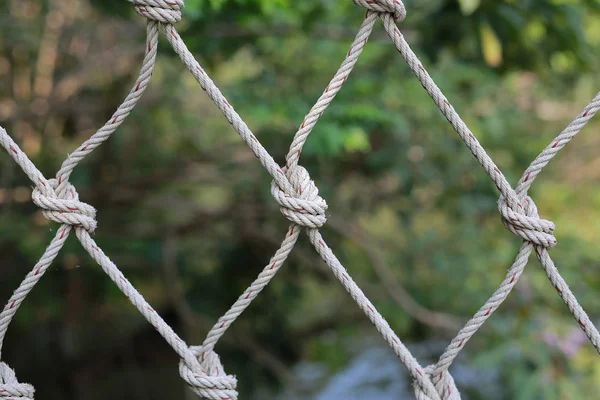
[164, 11]
[522, 258]
[10, 388]
[556, 145]
[50, 190]
[315, 237]
[413, 366]
[120, 115]
[331, 91]
[60, 203]
[225, 107]
[51, 252]
[280, 180]
[253, 291]
[299, 199]
[448, 111]
[538, 231]
[137, 299]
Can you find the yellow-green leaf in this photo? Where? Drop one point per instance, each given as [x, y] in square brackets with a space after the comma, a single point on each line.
[468, 7]
[356, 140]
[490, 46]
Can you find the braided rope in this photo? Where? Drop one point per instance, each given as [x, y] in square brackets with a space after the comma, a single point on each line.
[395, 8]
[299, 201]
[537, 233]
[280, 178]
[164, 11]
[10, 388]
[60, 203]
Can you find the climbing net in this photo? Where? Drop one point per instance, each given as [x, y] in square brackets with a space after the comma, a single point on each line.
[299, 201]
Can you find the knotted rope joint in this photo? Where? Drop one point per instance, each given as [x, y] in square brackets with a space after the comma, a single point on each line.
[164, 11]
[445, 386]
[10, 388]
[300, 203]
[305, 207]
[527, 224]
[394, 7]
[211, 382]
[64, 208]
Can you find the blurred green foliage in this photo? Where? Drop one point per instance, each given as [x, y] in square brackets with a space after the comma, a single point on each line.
[394, 173]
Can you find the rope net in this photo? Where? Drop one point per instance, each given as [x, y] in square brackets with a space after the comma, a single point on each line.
[300, 203]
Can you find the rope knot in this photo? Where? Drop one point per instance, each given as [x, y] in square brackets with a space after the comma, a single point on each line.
[305, 207]
[394, 7]
[165, 11]
[10, 388]
[211, 383]
[527, 224]
[64, 208]
[445, 386]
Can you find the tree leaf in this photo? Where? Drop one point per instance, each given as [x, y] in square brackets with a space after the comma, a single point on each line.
[490, 46]
[468, 7]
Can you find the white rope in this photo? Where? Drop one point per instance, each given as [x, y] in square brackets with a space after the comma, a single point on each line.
[445, 386]
[527, 224]
[60, 203]
[10, 388]
[521, 260]
[66, 209]
[213, 382]
[299, 201]
[537, 231]
[282, 181]
[395, 8]
[164, 11]
[306, 208]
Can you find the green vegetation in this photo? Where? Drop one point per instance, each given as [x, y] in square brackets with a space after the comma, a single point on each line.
[516, 71]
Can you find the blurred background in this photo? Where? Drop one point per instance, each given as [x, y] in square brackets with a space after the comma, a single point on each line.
[184, 208]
